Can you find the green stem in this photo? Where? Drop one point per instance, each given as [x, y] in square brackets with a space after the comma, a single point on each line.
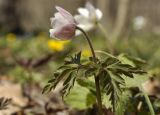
[89, 42]
[108, 41]
[103, 30]
[98, 92]
[148, 102]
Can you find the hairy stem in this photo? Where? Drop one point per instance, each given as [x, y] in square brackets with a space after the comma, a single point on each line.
[89, 42]
[148, 102]
[98, 92]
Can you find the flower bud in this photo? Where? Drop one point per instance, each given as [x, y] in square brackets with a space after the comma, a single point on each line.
[63, 25]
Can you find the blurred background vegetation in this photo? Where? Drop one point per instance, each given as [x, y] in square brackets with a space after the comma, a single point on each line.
[135, 23]
[29, 55]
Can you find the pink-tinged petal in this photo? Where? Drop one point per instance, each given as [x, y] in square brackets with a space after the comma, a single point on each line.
[65, 14]
[53, 22]
[59, 21]
[52, 34]
[63, 25]
[84, 12]
[63, 11]
[59, 16]
[99, 14]
[66, 32]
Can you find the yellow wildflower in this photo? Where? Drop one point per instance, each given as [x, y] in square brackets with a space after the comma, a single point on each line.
[11, 37]
[86, 53]
[56, 45]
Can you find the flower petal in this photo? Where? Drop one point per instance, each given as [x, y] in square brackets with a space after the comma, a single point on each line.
[92, 11]
[65, 14]
[66, 32]
[86, 27]
[81, 19]
[99, 14]
[53, 22]
[84, 12]
[84, 23]
[59, 20]
[90, 7]
[52, 34]
[52, 31]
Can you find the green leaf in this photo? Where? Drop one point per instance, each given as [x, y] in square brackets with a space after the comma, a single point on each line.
[91, 99]
[138, 62]
[111, 87]
[74, 60]
[109, 61]
[125, 69]
[90, 72]
[118, 78]
[136, 81]
[106, 101]
[87, 83]
[111, 84]
[157, 103]
[80, 97]
[123, 103]
[58, 76]
[47, 88]
[69, 83]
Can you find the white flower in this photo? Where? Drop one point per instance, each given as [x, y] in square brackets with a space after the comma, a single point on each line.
[88, 17]
[139, 22]
[63, 25]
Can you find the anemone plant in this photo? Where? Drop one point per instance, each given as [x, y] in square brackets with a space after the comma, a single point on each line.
[108, 72]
